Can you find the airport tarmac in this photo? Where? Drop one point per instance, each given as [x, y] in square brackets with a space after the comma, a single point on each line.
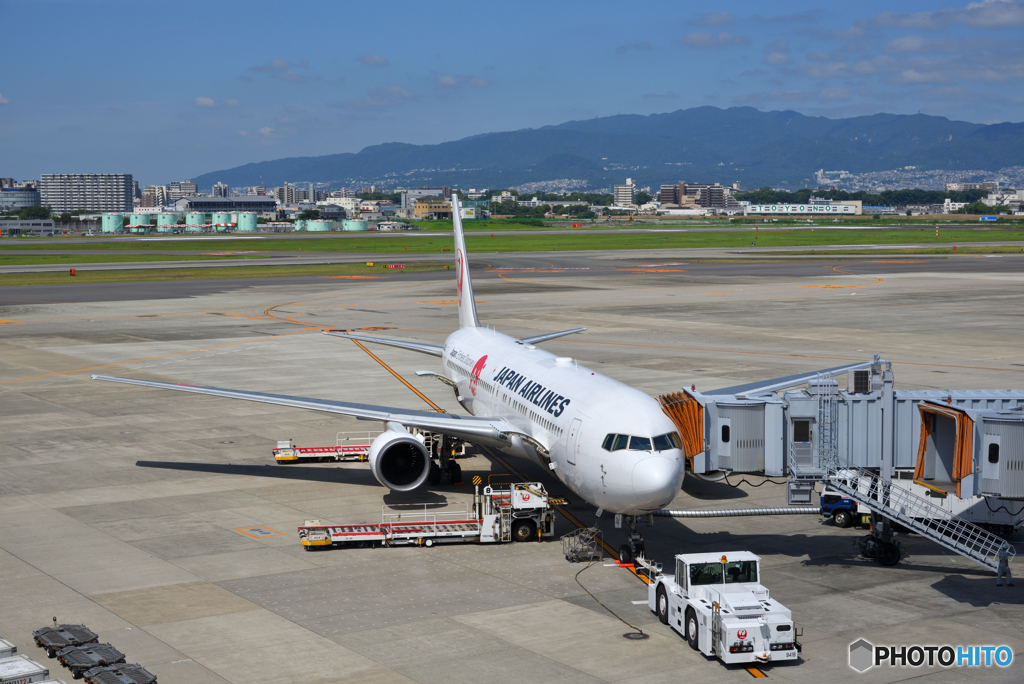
[160, 520]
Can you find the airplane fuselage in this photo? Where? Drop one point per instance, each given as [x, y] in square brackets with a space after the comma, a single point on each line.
[578, 416]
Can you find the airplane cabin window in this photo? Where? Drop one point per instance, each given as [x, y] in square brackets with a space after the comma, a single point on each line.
[607, 445]
[620, 442]
[639, 443]
[676, 441]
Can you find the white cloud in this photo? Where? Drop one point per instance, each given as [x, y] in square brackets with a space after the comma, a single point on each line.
[835, 94]
[230, 102]
[3, 100]
[266, 130]
[778, 53]
[368, 59]
[244, 134]
[714, 40]
[282, 69]
[986, 14]
[205, 103]
[444, 84]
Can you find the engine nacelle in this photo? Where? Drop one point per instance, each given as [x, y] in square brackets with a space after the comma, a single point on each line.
[399, 461]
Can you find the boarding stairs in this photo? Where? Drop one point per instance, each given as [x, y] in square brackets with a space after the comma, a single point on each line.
[897, 504]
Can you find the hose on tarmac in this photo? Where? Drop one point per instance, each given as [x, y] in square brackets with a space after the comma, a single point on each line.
[634, 627]
[739, 512]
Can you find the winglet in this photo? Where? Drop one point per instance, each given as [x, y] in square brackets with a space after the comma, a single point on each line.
[463, 283]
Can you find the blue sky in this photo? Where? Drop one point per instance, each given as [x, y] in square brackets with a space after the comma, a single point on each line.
[167, 91]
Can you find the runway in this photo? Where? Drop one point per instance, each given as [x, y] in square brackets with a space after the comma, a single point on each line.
[127, 508]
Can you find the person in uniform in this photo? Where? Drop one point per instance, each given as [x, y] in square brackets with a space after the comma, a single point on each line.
[1004, 566]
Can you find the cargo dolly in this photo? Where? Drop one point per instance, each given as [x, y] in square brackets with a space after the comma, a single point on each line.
[57, 637]
[521, 511]
[355, 446]
[350, 446]
[119, 674]
[78, 659]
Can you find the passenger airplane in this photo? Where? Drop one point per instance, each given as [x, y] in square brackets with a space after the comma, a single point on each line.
[609, 443]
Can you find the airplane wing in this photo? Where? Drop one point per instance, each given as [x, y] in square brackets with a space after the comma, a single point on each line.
[549, 336]
[493, 431]
[765, 386]
[423, 348]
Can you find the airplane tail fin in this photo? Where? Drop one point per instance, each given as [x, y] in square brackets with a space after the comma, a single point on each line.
[463, 283]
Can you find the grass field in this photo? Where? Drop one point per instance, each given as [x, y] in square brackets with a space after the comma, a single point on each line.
[993, 249]
[354, 271]
[85, 257]
[526, 242]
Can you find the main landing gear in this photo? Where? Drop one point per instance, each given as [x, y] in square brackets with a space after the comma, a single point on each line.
[448, 469]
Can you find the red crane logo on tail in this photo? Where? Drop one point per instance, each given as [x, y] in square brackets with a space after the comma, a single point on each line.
[458, 280]
[477, 370]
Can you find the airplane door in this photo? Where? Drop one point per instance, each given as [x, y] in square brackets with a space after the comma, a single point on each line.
[990, 458]
[572, 444]
[725, 442]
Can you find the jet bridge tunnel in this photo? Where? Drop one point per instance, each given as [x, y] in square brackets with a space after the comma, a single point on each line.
[965, 448]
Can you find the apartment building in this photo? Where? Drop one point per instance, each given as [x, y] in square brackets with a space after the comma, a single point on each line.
[93, 191]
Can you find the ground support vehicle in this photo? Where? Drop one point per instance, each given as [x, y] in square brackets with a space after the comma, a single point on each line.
[57, 637]
[119, 674]
[717, 603]
[843, 510]
[520, 512]
[355, 446]
[350, 446]
[21, 669]
[78, 659]
[7, 649]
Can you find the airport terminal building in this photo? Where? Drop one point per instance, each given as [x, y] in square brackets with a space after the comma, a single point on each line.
[812, 208]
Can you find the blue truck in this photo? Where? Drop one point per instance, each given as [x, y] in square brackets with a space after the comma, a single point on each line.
[843, 510]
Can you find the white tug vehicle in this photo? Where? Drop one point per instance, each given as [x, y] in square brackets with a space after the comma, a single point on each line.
[717, 603]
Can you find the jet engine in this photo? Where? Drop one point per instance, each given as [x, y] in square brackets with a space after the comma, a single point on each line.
[399, 461]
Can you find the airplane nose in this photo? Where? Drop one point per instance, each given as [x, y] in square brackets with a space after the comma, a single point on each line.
[655, 480]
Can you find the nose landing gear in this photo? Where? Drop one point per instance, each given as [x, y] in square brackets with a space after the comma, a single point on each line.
[634, 545]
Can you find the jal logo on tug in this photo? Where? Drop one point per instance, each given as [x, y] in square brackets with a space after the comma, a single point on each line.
[477, 370]
[742, 634]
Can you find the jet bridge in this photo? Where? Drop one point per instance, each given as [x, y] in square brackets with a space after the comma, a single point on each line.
[960, 452]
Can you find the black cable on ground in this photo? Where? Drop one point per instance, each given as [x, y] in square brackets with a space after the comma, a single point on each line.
[634, 627]
[742, 480]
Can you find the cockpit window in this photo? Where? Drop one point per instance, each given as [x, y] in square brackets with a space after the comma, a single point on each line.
[667, 441]
[620, 442]
[608, 440]
[639, 443]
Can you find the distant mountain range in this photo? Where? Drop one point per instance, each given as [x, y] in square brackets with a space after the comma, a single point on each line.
[703, 144]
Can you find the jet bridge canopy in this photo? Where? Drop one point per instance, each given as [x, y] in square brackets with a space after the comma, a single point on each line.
[945, 453]
[688, 415]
